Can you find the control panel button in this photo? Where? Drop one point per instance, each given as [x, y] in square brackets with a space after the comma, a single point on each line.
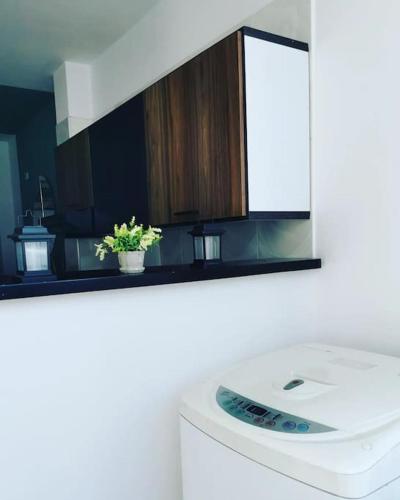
[289, 425]
[303, 427]
[264, 417]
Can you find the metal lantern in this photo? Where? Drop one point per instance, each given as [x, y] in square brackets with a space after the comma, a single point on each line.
[33, 245]
[206, 245]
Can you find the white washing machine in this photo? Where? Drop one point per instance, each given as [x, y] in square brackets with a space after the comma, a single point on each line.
[311, 422]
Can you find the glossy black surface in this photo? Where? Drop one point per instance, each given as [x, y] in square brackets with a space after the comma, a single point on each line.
[117, 174]
[161, 275]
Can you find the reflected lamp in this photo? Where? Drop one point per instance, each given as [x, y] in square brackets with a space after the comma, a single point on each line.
[206, 245]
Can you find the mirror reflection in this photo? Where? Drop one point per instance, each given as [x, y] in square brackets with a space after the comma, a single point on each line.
[28, 184]
[193, 150]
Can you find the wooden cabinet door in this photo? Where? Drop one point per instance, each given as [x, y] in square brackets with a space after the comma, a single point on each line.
[156, 119]
[195, 138]
[183, 179]
[217, 121]
[74, 173]
[171, 169]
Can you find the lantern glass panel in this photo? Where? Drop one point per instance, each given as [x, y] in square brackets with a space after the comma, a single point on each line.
[20, 256]
[213, 247]
[36, 255]
[198, 248]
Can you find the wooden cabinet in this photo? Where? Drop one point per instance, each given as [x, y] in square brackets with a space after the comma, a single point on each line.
[194, 132]
[101, 173]
[224, 136]
[172, 181]
[74, 173]
[228, 133]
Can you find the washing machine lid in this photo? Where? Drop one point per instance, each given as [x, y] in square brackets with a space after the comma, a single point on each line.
[352, 397]
[335, 387]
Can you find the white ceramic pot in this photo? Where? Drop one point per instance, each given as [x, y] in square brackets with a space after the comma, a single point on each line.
[131, 262]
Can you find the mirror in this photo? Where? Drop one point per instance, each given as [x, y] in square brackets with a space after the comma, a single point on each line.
[27, 167]
[174, 156]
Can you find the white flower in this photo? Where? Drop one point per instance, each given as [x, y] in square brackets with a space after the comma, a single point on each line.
[109, 241]
[127, 238]
[101, 251]
[135, 230]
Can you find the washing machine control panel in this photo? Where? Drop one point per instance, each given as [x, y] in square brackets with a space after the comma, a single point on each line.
[254, 413]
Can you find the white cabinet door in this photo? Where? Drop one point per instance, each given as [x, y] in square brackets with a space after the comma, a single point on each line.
[277, 109]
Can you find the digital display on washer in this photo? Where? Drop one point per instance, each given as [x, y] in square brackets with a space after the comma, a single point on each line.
[264, 417]
[257, 410]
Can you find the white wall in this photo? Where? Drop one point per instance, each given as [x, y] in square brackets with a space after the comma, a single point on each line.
[171, 33]
[10, 200]
[90, 383]
[290, 18]
[73, 97]
[356, 104]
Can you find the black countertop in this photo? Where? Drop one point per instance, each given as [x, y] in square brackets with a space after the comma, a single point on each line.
[88, 281]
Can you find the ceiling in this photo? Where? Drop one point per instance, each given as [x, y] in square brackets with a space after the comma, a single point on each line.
[17, 106]
[36, 36]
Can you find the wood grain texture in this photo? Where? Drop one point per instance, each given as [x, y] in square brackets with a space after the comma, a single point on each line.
[158, 154]
[219, 129]
[74, 173]
[172, 180]
[195, 138]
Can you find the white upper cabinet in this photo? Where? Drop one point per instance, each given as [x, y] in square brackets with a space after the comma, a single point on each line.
[277, 126]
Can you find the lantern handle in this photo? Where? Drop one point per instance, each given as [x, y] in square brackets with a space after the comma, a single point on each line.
[29, 213]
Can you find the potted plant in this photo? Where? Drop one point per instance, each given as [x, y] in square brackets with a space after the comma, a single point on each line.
[130, 242]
